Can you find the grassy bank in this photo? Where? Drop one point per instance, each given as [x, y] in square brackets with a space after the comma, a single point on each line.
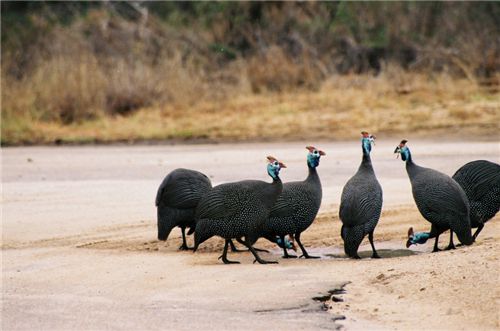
[76, 72]
[392, 103]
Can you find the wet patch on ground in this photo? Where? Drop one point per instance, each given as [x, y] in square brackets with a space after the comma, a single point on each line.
[326, 305]
[328, 301]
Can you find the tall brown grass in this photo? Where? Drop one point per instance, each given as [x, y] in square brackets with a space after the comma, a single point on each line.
[413, 104]
[106, 78]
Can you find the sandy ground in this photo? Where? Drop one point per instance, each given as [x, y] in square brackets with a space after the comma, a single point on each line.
[79, 248]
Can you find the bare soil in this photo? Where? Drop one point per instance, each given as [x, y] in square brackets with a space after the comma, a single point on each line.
[79, 248]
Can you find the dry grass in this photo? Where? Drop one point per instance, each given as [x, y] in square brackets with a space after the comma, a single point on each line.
[393, 102]
[106, 77]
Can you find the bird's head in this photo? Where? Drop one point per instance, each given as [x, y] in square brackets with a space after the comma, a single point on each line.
[367, 141]
[274, 166]
[403, 150]
[289, 243]
[313, 156]
[416, 237]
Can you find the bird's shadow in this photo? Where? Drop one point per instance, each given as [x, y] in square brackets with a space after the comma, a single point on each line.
[383, 253]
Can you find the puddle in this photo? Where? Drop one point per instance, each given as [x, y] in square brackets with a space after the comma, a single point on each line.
[328, 303]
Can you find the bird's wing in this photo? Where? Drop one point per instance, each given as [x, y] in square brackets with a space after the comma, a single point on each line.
[440, 199]
[361, 202]
[224, 201]
[286, 205]
[478, 178]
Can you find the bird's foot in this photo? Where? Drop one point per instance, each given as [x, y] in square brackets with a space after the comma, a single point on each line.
[307, 256]
[185, 248]
[356, 257]
[450, 247]
[261, 261]
[289, 256]
[435, 250]
[375, 256]
[226, 261]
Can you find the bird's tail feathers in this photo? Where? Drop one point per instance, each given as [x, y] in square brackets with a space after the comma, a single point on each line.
[352, 236]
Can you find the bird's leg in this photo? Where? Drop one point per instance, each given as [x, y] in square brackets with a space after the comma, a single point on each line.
[184, 246]
[257, 257]
[375, 254]
[304, 252]
[451, 245]
[436, 248]
[479, 228]
[233, 247]
[257, 249]
[224, 254]
[285, 252]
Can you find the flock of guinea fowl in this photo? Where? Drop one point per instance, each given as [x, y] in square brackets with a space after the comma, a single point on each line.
[279, 212]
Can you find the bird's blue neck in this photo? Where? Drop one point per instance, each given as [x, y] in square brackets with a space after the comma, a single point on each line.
[312, 161]
[366, 147]
[406, 155]
[312, 164]
[273, 171]
[420, 237]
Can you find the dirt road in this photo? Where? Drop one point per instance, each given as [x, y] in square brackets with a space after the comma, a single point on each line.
[79, 248]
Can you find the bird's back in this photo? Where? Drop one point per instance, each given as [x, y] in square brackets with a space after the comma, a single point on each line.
[361, 200]
[182, 189]
[235, 208]
[481, 182]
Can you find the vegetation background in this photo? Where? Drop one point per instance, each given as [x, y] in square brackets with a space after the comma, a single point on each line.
[75, 72]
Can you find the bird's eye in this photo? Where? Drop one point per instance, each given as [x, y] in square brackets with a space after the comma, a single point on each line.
[275, 163]
[315, 152]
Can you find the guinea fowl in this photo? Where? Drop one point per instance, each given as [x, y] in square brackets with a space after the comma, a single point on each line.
[297, 206]
[481, 182]
[361, 203]
[176, 201]
[239, 209]
[440, 200]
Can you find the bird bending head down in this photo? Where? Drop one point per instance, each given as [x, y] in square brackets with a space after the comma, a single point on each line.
[416, 238]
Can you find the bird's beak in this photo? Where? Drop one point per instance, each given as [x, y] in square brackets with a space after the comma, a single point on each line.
[408, 243]
[397, 151]
[321, 153]
[282, 165]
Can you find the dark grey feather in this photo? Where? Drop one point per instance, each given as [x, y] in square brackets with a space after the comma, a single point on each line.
[360, 206]
[177, 198]
[440, 200]
[481, 182]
